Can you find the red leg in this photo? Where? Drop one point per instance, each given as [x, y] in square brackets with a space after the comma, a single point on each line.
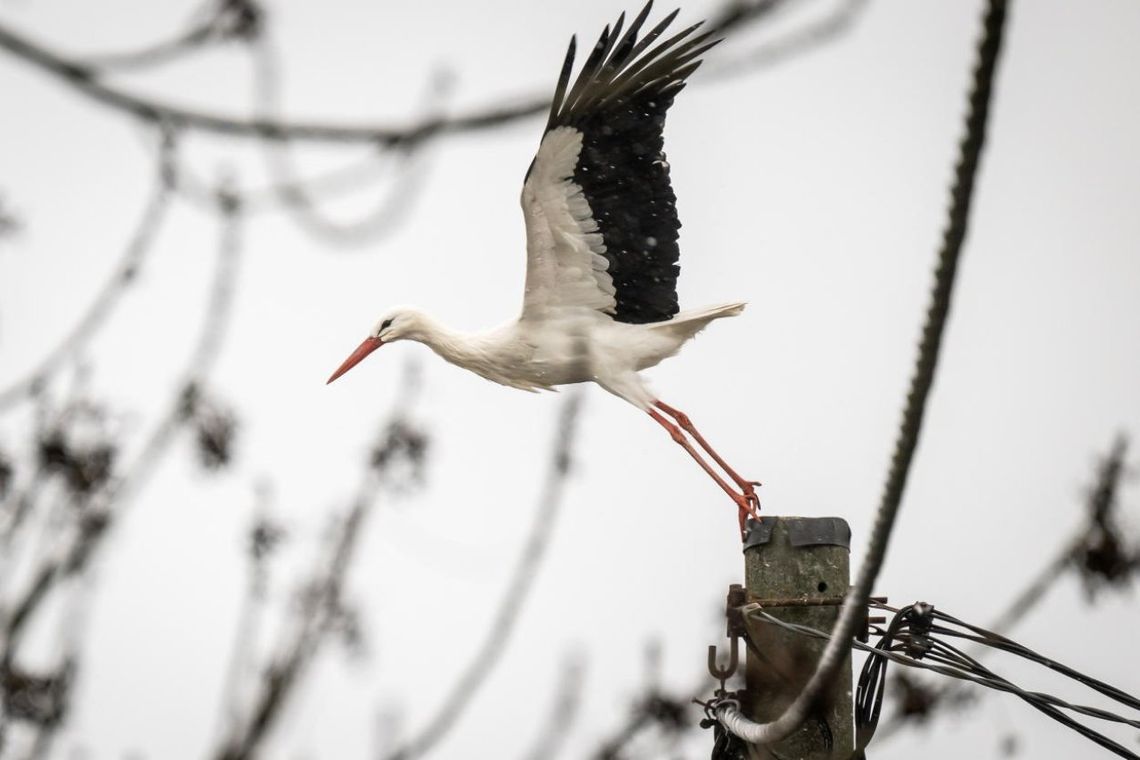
[687, 425]
[747, 505]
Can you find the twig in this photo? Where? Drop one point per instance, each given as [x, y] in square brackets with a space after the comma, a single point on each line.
[151, 55]
[9, 223]
[17, 508]
[219, 20]
[321, 598]
[263, 538]
[564, 711]
[1101, 503]
[86, 80]
[487, 656]
[322, 601]
[814, 35]
[640, 719]
[111, 502]
[407, 167]
[103, 305]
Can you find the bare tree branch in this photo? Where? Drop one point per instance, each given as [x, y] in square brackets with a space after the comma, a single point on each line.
[151, 55]
[218, 21]
[487, 656]
[264, 536]
[86, 80]
[814, 35]
[103, 305]
[110, 502]
[655, 708]
[1102, 506]
[9, 224]
[321, 604]
[407, 168]
[563, 712]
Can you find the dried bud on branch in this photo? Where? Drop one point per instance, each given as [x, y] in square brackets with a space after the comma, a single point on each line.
[40, 700]
[214, 426]
[401, 444]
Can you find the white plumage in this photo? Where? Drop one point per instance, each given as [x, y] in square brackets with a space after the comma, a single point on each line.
[565, 261]
[601, 225]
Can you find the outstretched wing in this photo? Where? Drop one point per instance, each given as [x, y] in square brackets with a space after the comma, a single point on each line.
[601, 216]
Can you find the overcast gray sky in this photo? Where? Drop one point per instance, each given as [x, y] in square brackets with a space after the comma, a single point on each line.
[814, 189]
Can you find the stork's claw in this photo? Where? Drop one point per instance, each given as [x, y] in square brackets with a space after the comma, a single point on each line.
[750, 495]
[748, 504]
[747, 508]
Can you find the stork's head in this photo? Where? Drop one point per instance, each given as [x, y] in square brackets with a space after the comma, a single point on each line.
[397, 324]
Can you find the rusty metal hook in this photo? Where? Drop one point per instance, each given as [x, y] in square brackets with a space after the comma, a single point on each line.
[723, 674]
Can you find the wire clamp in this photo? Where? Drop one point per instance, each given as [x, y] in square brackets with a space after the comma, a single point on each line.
[920, 620]
[723, 674]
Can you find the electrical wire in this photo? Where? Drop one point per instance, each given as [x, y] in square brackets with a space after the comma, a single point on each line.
[854, 606]
[911, 640]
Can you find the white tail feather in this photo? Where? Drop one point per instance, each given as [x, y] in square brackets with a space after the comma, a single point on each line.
[688, 323]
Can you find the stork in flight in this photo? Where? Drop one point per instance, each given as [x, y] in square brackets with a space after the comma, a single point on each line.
[601, 227]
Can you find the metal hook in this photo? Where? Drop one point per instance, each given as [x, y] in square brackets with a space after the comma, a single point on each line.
[723, 674]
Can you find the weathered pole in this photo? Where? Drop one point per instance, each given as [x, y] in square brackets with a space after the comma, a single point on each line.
[797, 570]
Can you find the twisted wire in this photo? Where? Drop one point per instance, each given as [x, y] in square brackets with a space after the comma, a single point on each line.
[961, 195]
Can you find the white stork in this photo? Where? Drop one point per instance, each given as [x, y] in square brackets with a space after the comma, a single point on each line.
[601, 226]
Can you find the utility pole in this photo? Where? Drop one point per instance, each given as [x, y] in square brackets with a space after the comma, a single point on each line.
[797, 570]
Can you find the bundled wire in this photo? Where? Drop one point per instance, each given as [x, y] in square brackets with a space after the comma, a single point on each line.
[915, 637]
[926, 365]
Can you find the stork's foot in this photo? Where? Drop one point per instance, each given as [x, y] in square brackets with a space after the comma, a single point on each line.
[748, 506]
[748, 491]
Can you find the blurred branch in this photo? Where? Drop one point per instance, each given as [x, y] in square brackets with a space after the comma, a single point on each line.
[299, 194]
[1035, 591]
[74, 457]
[36, 700]
[151, 55]
[838, 22]
[1096, 551]
[9, 223]
[91, 498]
[563, 712]
[328, 184]
[86, 80]
[263, 538]
[656, 708]
[919, 701]
[7, 473]
[321, 604]
[406, 167]
[110, 500]
[487, 656]
[17, 507]
[218, 21]
[123, 276]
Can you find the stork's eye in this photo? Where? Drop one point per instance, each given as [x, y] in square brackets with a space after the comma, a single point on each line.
[385, 324]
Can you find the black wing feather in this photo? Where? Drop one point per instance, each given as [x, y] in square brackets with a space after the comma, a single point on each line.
[618, 103]
[563, 81]
[589, 69]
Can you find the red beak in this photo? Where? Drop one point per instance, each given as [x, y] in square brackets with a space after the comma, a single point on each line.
[364, 349]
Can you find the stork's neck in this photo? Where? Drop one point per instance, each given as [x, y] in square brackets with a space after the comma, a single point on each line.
[460, 348]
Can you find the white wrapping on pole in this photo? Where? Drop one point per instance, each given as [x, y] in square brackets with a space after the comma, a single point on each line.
[738, 724]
